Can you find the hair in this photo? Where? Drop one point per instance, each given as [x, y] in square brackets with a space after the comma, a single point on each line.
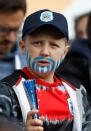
[77, 19]
[12, 5]
[89, 28]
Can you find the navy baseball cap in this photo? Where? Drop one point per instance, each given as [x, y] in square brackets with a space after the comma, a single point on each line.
[45, 17]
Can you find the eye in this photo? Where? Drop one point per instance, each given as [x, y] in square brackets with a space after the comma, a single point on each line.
[54, 45]
[36, 43]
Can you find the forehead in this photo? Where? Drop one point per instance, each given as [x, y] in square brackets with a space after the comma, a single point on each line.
[11, 19]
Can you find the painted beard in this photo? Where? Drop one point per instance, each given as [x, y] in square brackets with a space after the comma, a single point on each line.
[41, 64]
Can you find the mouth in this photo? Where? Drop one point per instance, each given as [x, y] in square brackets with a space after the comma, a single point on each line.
[43, 63]
[5, 45]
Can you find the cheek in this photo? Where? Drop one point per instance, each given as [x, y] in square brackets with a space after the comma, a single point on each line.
[58, 55]
[33, 53]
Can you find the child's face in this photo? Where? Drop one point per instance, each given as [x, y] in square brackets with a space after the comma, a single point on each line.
[44, 49]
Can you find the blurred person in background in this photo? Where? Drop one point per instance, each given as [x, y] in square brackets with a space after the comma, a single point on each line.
[81, 26]
[89, 28]
[12, 13]
[76, 67]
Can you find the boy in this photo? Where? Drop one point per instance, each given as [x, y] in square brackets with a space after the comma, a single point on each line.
[60, 106]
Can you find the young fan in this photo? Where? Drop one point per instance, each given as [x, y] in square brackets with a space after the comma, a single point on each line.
[60, 105]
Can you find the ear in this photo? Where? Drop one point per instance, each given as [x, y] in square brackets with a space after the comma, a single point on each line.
[66, 50]
[22, 46]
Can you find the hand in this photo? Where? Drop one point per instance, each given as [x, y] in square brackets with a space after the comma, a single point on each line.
[34, 124]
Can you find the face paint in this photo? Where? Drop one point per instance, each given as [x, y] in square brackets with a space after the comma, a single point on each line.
[59, 62]
[27, 57]
[34, 63]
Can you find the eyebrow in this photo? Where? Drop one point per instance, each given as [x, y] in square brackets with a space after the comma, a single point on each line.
[8, 28]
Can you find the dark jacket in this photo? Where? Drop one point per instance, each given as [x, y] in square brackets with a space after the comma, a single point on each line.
[9, 104]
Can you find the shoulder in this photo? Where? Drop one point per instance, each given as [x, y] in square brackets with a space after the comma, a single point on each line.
[68, 79]
[8, 99]
[13, 78]
[7, 83]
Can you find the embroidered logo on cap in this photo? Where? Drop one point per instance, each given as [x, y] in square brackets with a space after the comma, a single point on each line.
[46, 16]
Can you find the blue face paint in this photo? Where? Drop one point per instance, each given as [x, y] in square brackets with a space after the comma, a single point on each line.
[59, 62]
[33, 63]
[27, 57]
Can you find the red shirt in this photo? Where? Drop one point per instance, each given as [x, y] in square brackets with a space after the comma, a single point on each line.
[53, 100]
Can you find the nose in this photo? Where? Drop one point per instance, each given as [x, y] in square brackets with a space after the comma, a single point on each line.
[11, 36]
[45, 50]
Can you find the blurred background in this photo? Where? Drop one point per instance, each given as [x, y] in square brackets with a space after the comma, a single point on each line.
[70, 8]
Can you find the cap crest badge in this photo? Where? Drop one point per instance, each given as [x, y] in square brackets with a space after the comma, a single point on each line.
[46, 16]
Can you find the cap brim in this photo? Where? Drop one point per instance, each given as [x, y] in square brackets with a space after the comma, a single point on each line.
[43, 24]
